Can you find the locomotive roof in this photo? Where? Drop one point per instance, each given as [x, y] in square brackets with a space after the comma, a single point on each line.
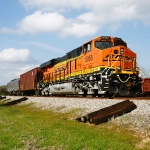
[72, 54]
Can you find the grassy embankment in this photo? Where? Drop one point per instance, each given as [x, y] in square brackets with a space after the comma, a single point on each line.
[25, 127]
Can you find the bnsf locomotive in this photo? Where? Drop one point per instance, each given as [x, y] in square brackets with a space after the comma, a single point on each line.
[101, 66]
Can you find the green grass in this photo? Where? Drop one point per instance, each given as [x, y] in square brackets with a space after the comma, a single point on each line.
[25, 127]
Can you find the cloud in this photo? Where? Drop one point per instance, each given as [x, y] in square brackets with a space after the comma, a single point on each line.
[93, 16]
[78, 30]
[14, 62]
[101, 6]
[7, 30]
[56, 5]
[12, 55]
[13, 71]
[41, 22]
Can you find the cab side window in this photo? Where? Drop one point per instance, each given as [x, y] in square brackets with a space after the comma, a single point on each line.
[87, 48]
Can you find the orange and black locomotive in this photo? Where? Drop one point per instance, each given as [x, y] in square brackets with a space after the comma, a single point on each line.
[101, 66]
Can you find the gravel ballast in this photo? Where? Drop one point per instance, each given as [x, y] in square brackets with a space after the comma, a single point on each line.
[139, 119]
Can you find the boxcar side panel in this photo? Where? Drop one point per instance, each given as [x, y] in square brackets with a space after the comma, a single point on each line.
[28, 80]
[146, 85]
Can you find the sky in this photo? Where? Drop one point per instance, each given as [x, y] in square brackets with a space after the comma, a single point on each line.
[35, 31]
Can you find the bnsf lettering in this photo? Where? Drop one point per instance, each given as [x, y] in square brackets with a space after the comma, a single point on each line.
[88, 58]
[128, 59]
[111, 56]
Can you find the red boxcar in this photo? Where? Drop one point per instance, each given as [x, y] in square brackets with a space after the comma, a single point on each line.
[29, 81]
[146, 86]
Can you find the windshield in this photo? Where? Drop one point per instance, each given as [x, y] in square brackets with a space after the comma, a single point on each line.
[119, 43]
[103, 45]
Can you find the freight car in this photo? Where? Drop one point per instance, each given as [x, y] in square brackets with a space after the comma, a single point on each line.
[29, 81]
[101, 66]
[13, 87]
[146, 87]
[27, 84]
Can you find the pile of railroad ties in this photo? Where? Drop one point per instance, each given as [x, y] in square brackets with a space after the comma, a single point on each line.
[105, 114]
[14, 102]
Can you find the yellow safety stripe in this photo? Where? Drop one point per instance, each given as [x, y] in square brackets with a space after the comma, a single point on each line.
[91, 70]
[68, 60]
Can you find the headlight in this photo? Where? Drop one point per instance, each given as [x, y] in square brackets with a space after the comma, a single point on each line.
[121, 51]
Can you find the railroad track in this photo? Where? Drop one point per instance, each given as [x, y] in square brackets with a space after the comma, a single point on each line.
[91, 97]
[100, 98]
